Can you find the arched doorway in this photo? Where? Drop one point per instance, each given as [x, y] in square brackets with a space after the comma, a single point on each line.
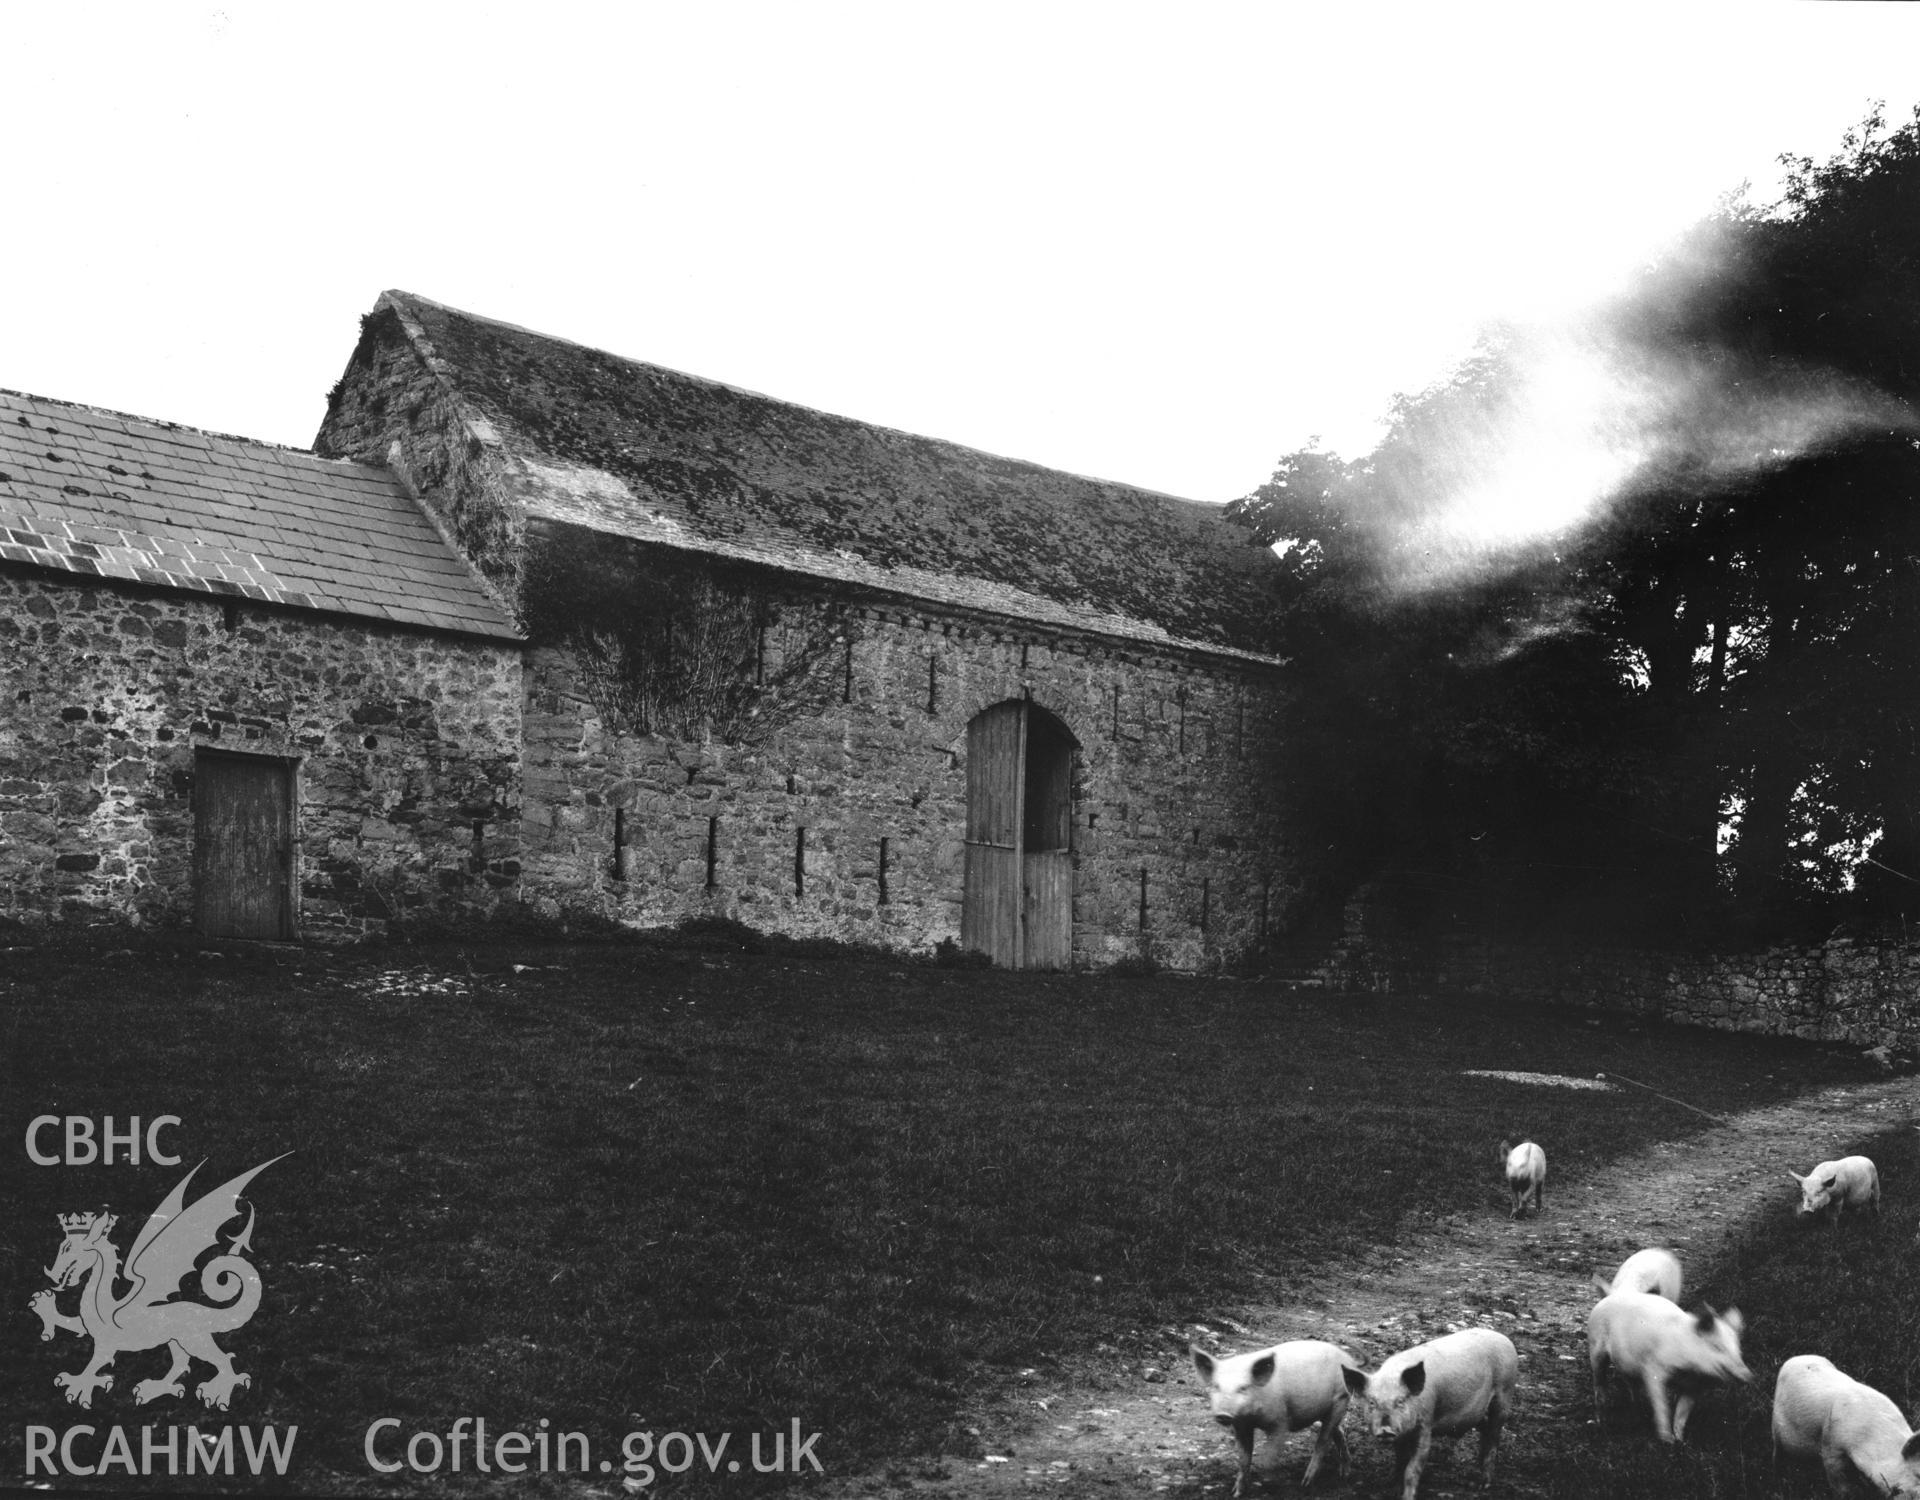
[1018, 906]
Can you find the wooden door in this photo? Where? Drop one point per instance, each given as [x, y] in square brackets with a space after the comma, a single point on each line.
[1017, 905]
[990, 909]
[1046, 911]
[242, 846]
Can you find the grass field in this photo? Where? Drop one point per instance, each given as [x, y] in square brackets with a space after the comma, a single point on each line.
[681, 1187]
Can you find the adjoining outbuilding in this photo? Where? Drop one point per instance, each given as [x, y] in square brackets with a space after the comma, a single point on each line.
[241, 687]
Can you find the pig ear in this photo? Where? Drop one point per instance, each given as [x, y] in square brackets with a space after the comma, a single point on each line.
[1733, 1319]
[1797, 1177]
[1202, 1361]
[1262, 1370]
[1414, 1378]
[1604, 1288]
[1704, 1320]
[1356, 1380]
[1911, 1450]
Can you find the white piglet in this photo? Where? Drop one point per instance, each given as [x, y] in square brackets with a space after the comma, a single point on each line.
[1672, 1353]
[1284, 1389]
[1439, 1389]
[1651, 1270]
[1857, 1434]
[1851, 1182]
[1526, 1169]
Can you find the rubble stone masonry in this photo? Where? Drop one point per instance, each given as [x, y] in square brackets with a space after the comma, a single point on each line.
[406, 744]
[1177, 850]
[1856, 991]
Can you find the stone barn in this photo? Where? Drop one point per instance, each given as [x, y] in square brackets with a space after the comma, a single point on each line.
[242, 688]
[830, 679]
[544, 629]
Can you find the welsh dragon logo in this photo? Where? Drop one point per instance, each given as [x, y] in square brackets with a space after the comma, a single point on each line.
[163, 1254]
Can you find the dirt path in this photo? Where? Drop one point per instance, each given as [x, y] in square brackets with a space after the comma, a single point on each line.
[1530, 1280]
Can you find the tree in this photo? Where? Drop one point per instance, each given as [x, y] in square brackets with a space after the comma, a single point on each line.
[1626, 616]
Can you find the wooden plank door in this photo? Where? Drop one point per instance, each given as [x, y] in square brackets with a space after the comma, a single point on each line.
[1017, 905]
[242, 846]
[990, 904]
[1047, 909]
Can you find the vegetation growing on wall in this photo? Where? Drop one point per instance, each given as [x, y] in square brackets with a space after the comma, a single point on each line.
[682, 645]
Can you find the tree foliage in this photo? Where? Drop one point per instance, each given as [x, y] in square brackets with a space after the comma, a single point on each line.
[1615, 630]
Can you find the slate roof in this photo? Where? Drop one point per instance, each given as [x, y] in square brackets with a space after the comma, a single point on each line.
[98, 493]
[661, 456]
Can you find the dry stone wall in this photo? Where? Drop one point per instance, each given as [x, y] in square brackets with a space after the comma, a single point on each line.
[1860, 992]
[406, 745]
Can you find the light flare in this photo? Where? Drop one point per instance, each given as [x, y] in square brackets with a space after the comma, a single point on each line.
[1590, 419]
[1572, 440]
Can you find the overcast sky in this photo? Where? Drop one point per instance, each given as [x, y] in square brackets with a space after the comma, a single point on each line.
[1157, 244]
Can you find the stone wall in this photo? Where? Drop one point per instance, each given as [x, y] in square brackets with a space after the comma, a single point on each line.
[407, 746]
[1172, 778]
[393, 408]
[1863, 993]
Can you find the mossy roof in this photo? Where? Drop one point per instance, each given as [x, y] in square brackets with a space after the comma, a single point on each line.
[651, 453]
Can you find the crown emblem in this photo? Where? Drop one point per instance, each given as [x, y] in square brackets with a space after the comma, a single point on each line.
[77, 1223]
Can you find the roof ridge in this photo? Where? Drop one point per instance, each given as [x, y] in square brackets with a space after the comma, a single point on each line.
[170, 426]
[399, 298]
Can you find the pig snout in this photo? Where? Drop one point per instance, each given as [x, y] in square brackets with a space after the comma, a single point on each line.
[1721, 1334]
[1382, 1417]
